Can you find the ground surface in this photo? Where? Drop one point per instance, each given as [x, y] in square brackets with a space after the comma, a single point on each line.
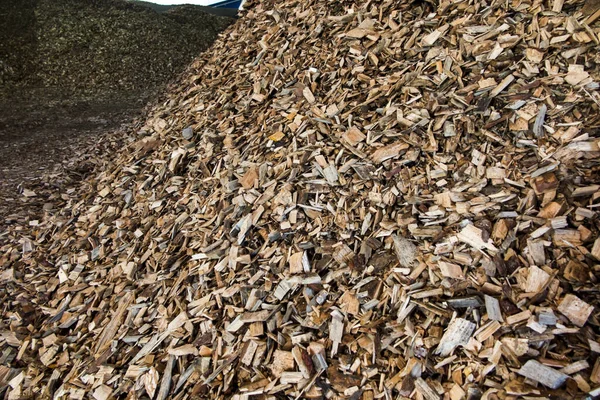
[43, 132]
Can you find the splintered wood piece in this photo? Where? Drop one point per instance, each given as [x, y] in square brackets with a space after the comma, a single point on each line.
[308, 95]
[576, 74]
[247, 357]
[336, 330]
[282, 289]
[595, 375]
[387, 152]
[249, 178]
[349, 303]
[474, 236]
[500, 230]
[537, 279]
[464, 302]
[236, 324]
[538, 126]
[186, 349]
[425, 390]
[575, 309]
[585, 191]
[176, 158]
[102, 392]
[537, 252]
[151, 381]
[547, 317]
[158, 338]
[299, 263]
[457, 334]
[358, 33]
[487, 331]
[543, 374]
[282, 361]
[502, 85]
[518, 317]
[450, 270]
[575, 367]
[550, 210]
[353, 136]
[290, 377]
[297, 353]
[165, 384]
[596, 249]
[405, 250]
[114, 325]
[566, 238]
[257, 316]
[492, 306]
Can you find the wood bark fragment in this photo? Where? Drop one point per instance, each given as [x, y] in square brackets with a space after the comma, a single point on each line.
[425, 390]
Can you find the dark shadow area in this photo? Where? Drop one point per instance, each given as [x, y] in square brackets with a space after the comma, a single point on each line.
[18, 40]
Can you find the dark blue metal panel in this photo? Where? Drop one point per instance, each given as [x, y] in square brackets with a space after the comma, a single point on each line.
[228, 4]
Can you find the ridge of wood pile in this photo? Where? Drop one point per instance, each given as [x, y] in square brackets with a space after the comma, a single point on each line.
[367, 200]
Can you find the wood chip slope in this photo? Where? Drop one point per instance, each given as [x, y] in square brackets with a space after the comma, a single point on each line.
[366, 200]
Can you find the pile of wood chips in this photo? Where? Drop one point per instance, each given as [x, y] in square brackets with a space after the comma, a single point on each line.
[361, 200]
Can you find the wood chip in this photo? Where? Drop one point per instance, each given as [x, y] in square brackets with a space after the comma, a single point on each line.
[387, 152]
[547, 376]
[575, 309]
[353, 136]
[457, 334]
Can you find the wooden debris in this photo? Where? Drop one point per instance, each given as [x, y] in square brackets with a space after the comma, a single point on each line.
[547, 376]
[474, 237]
[450, 270]
[457, 334]
[336, 330]
[282, 361]
[425, 390]
[492, 306]
[575, 309]
[405, 251]
[299, 263]
[387, 152]
[596, 249]
[376, 200]
[354, 136]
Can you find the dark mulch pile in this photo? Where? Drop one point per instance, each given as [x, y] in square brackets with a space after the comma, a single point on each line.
[99, 45]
